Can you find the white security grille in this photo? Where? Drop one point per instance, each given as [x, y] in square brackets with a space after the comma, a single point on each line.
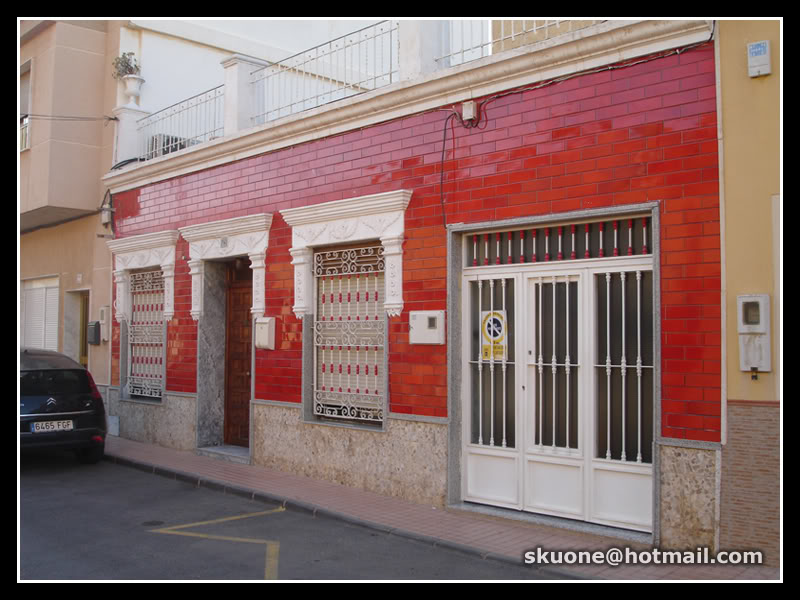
[625, 366]
[492, 362]
[563, 243]
[555, 317]
[349, 334]
[146, 335]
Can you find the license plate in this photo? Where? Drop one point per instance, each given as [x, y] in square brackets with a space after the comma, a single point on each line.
[48, 426]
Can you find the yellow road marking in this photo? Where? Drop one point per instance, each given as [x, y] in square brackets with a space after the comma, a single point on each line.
[271, 564]
[272, 546]
[222, 520]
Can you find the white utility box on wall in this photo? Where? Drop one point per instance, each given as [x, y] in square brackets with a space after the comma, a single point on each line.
[265, 333]
[105, 321]
[754, 333]
[426, 327]
[758, 59]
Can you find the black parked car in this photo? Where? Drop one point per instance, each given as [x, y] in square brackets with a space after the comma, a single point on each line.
[59, 405]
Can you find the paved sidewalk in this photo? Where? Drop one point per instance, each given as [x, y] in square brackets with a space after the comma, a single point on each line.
[487, 536]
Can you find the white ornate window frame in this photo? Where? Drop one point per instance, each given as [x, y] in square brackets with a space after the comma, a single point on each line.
[141, 252]
[133, 253]
[377, 216]
[342, 223]
[240, 236]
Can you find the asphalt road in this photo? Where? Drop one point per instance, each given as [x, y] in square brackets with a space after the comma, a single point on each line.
[111, 522]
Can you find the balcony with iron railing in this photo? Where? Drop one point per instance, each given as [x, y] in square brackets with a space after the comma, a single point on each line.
[362, 61]
[385, 70]
[193, 121]
[256, 93]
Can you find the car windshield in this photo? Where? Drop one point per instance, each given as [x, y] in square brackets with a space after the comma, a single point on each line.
[50, 383]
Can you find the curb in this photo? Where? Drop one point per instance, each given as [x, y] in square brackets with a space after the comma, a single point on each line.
[315, 511]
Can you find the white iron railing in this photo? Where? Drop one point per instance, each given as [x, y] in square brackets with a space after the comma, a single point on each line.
[471, 40]
[192, 121]
[359, 62]
[362, 61]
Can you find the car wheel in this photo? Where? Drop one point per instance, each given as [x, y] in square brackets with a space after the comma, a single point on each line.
[90, 456]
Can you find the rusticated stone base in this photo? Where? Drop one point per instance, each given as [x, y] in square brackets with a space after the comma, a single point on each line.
[408, 460]
[171, 423]
[688, 484]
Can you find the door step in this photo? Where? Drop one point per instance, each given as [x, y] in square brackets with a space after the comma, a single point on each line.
[237, 454]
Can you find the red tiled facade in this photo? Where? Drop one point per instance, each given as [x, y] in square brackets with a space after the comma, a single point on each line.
[629, 135]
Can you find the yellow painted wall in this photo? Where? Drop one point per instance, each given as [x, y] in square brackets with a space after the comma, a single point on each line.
[75, 254]
[751, 160]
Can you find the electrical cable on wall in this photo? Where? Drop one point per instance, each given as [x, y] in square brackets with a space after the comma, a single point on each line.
[480, 106]
[126, 162]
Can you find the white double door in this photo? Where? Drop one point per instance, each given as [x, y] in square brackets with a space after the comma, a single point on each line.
[558, 389]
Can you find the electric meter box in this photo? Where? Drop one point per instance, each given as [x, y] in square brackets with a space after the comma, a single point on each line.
[758, 59]
[753, 324]
[426, 327]
[265, 333]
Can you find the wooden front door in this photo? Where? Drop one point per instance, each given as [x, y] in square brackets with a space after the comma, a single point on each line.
[237, 353]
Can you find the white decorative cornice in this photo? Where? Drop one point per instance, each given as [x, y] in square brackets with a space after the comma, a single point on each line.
[228, 227]
[374, 204]
[232, 237]
[377, 216]
[240, 236]
[135, 243]
[139, 252]
[351, 220]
